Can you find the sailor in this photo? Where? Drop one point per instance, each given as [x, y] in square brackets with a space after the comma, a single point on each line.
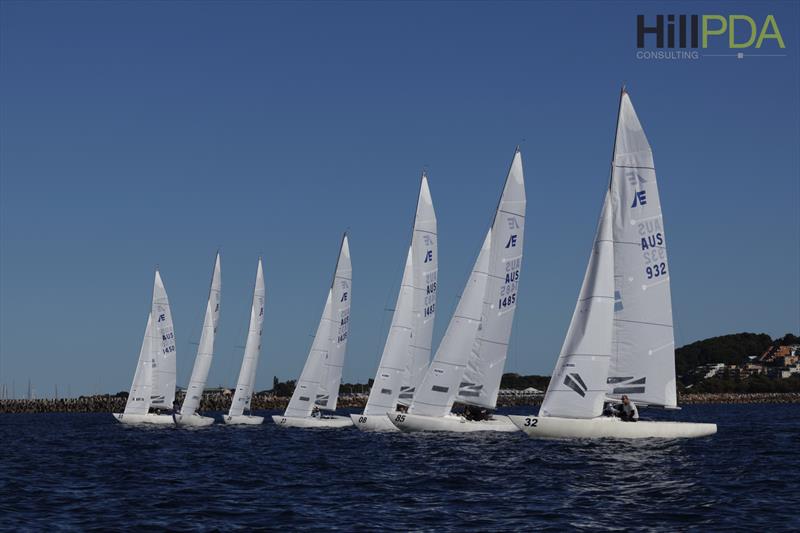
[315, 412]
[610, 410]
[629, 412]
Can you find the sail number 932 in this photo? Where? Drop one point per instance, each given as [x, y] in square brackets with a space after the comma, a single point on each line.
[656, 271]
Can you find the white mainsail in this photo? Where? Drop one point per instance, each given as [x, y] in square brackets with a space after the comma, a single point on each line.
[578, 385]
[205, 350]
[252, 349]
[424, 247]
[407, 351]
[328, 394]
[484, 370]
[139, 396]
[643, 351]
[164, 361]
[436, 394]
[322, 372]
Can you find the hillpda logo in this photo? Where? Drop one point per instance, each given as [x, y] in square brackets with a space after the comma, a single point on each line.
[672, 37]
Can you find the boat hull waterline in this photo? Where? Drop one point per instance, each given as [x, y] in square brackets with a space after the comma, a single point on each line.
[243, 420]
[454, 423]
[547, 427]
[193, 420]
[373, 422]
[148, 418]
[312, 421]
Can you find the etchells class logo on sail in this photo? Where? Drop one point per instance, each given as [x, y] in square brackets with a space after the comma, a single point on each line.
[692, 37]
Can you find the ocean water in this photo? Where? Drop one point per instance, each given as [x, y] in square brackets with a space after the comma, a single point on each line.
[87, 472]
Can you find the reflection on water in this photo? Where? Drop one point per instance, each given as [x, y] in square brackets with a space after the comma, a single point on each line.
[88, 471]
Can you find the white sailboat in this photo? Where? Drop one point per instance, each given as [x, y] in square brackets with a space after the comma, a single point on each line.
[620, 340]
[154, 381]
[469, 363]
[407, 351]
[202, 363]
[317, 390]
[239, 413]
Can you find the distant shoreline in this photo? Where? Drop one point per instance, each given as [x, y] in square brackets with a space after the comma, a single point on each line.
[262, 402]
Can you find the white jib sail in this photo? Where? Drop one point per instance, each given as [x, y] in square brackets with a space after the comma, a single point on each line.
[163, 393]
[484, 370]
[397, 350]
[424, 247]
[341, 296]
[643, 354]
[139, 396]
[252, 349]
[578, 385]
[436, 393]
[205, 350]
[305, 392]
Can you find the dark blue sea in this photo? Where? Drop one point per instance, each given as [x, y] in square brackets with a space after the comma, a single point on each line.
[87, 472]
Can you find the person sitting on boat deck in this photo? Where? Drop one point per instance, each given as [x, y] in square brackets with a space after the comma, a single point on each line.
[315, 412]
[176, 407]
[475, 414]
[610, 410]
[629, 411]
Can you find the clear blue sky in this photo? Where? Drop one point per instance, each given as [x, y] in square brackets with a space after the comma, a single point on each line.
[143, 133]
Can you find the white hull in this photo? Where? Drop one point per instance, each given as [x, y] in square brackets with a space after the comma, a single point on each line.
[546, 427]
[451, 422]
[149, 418]
[312, 422]
[243, 420]
[194, 420]
[373, 423]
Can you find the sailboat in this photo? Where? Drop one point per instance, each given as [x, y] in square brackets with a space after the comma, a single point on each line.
[317, 390]
[620, 340]
[469, 363]
[239, 412]
[407, 351]
[154, 380]
[202, 363]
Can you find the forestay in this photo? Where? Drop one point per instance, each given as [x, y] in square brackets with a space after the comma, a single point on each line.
[205, 350]
[163, 393]
[578, 385]
[436, 393]
[252, 349]
[484, 370]
[139, 397]
[643, 355]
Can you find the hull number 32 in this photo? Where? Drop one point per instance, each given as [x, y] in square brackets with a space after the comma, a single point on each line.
[531, 422]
